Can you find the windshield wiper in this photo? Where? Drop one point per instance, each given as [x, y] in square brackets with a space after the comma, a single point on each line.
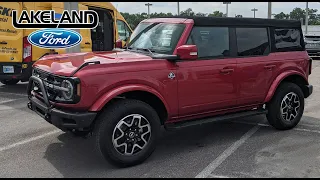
[146, 49]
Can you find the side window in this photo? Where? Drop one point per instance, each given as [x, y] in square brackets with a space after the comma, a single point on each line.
[287, 39]
[252, 41]
[210, 41]
[123, 30]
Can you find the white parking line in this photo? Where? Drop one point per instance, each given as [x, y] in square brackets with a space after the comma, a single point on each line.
[14, 94]
[214, 164]
[267, 125]
[217, 176]
[10, 100]
[4, 148]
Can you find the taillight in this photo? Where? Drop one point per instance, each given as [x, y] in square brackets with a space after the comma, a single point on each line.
[27, 50]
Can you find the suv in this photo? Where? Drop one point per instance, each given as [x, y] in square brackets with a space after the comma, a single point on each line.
[175, 72]
[312, 45]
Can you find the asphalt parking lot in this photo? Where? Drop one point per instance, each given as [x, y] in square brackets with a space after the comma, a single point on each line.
[248, 147]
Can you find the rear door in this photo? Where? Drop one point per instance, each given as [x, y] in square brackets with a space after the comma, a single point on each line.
[10, 38]
[255, 64]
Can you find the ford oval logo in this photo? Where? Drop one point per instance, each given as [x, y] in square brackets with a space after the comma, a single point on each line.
[54, 38]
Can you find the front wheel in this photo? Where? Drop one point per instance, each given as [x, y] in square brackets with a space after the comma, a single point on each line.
[286, 107]
[126, 132]
[9, 82]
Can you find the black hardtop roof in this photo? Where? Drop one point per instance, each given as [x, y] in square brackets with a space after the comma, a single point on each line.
[232, 21]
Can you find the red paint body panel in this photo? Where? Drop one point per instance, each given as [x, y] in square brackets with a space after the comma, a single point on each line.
[201, 87]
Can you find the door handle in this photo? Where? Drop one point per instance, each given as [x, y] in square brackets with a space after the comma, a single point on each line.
[226, 71]
[3, 42]
[269, 67]
[86, 43]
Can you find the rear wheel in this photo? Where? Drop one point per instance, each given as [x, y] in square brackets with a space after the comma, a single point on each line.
[126, 132]
[286, 107]
[9, 82]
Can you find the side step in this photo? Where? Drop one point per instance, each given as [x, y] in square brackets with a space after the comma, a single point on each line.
[178, 125]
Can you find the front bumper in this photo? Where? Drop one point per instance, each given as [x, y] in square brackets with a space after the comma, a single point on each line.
[64, 120]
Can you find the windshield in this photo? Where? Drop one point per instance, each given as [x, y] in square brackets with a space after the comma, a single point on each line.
[156, 37]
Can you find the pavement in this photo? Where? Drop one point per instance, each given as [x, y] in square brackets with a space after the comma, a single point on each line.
[247, 147]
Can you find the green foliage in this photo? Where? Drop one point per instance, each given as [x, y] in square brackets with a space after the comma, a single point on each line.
[298, 14]
[134, 19]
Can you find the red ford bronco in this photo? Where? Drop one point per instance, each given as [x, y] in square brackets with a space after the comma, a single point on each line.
[175, 72]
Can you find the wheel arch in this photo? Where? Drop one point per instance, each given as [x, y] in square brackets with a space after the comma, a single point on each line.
[292, 76]
[138, 92]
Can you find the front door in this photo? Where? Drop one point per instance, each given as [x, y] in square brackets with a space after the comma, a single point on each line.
[207, 84]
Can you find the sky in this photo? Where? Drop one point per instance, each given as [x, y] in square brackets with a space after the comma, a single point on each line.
[243, 8]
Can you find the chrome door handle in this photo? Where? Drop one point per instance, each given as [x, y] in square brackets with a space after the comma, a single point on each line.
[226, 71]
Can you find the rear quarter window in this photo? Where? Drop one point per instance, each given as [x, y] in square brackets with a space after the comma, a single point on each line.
[288, 39]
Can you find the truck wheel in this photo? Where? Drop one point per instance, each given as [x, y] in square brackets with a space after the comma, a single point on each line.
[9, 82]
[286, 107]
[126, 132]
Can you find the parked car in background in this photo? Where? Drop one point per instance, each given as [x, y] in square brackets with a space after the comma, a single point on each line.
[17, 55]
[175, 72]
[312, 45]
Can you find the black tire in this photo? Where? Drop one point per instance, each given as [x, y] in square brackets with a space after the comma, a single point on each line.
[274, 107]
[10, 82]
[108, 120]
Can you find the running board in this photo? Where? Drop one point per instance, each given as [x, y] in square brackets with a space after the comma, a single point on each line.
[178, 125]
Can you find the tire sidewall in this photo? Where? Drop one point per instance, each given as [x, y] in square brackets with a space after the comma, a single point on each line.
[283, 91]
[107, 128]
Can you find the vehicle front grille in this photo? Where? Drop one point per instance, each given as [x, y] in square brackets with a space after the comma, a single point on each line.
[50, 81]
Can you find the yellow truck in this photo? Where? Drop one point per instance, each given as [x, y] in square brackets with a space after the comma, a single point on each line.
[17, 55]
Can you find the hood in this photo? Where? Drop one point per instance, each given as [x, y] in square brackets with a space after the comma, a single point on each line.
[66, 64]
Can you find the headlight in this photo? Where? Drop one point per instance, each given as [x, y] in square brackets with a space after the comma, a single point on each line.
[68, 92]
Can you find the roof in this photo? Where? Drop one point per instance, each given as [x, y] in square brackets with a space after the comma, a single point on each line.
[232, 21]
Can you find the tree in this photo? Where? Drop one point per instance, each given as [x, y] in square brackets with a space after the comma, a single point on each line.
[216, 14]
[201, 14]
[282, 15]
[187, 12]
[297, 14]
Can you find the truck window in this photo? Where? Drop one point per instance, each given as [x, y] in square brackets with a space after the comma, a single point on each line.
[210, 41]
[288, 39]
[123, 30]
[252, 41]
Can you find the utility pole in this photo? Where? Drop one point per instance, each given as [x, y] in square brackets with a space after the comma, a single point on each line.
[148, 4]
[307, 18]
[178, 9]
[226, 3]
[269, 10]
[254, 12]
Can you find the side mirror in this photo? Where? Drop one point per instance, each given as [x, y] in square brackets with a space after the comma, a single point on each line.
[187, 52]
[119, 44]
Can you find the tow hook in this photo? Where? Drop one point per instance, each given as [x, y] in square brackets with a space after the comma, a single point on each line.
[29, 105]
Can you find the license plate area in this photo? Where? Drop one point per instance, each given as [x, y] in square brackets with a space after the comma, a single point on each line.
[8, 69]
